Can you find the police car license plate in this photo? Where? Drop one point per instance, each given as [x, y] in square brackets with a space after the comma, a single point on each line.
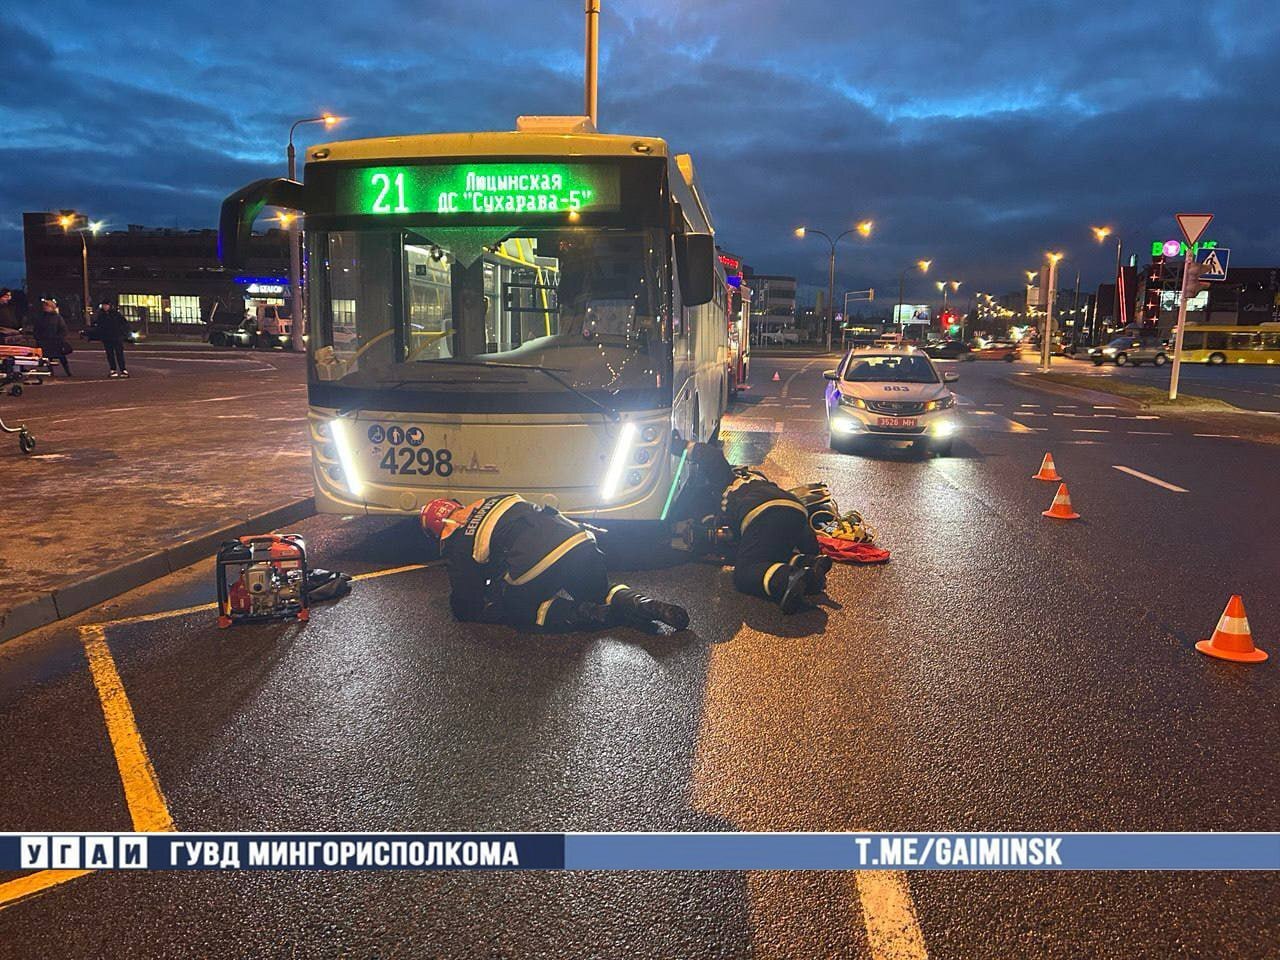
[896, 422]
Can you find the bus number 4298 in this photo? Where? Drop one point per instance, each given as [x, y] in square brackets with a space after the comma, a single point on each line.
[421, 460]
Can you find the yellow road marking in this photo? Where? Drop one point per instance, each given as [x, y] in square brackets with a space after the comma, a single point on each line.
[147, 806]
[146, 803]
[889, 915]
[183, 611]
[33, 883]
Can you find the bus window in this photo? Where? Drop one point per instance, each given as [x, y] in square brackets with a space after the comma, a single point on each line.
[1215, 340]
[1271, 341]
[1193, 340]
[1244, 341]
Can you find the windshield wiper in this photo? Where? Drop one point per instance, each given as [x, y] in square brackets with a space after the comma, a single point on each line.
[552, 372]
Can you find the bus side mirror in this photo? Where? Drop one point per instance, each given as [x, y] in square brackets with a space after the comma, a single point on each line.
[696, 261]
[235, 221]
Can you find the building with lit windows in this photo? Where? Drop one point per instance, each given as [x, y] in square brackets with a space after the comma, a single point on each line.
[773, 308]
[167, 282]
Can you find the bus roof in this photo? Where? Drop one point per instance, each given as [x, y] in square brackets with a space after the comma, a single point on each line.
[492, 143]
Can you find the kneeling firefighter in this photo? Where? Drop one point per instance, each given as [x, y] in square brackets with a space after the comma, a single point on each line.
[528, 566]
[776, 554]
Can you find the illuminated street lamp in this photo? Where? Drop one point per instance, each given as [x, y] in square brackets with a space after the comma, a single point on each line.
[921, 265]
[299, 321]
[864, 229]
[1046, 338]
[1101, 234]
[67, 222]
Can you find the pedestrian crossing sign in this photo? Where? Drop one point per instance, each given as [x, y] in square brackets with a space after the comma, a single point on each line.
[1213, 263]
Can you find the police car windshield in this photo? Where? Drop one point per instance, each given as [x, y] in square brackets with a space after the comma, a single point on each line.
[588, 303]
[891, 368]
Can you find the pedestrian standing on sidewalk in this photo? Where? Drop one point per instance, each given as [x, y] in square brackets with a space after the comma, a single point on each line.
[51, 333]
[113, 330]
[8, 311]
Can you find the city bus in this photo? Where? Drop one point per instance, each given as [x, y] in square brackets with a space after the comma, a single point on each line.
[1217, 344]
[537, 311]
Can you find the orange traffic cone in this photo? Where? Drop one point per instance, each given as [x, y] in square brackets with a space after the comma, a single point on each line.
[1232, 640]
[776, 377]
[1061, 509]
[1047, 470]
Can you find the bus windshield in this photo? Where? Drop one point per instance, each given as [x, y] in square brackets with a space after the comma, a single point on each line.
[434, 308]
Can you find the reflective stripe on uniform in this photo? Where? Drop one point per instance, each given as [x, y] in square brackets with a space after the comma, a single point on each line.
[614, 589]
[485, 532]
[541, 618]
[765, 506]
[545, 563]
[768, 574]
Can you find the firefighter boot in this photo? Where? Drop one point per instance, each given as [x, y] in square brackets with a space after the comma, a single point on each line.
[632, 606]
[799, 581]
[591, 616]
[818, 565]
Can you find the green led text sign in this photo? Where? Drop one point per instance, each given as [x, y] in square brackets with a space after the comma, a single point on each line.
[480, 189]
[1177, 248]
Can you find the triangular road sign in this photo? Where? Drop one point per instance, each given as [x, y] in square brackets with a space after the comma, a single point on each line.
[1193, 224]
[1212, 267]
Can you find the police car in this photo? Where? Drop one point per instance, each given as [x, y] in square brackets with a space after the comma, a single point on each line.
[890, 394]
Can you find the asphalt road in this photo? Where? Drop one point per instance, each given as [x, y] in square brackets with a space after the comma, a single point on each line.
[1002, 672]
[1249, 386]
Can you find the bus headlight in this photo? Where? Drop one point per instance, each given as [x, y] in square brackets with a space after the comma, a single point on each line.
[618, 462]
[346, 456]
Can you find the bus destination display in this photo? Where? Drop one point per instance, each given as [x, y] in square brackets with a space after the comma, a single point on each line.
[484, 189]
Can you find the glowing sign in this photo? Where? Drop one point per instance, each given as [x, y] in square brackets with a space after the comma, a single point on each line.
[1176, 248]
[484, 189]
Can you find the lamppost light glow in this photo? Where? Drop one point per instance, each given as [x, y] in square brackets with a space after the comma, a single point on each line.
[1054, 257]
[1101, 233]
[864, 228]
[924, 265]
[1031, 275]
[800, 232]
[95, 226]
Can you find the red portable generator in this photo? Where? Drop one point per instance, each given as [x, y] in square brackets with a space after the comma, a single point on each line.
[262, 578]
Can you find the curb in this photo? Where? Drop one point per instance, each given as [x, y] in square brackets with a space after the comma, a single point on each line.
[75, 596]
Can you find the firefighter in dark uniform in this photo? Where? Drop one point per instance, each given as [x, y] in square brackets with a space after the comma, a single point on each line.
[512, 562]
[775, 552]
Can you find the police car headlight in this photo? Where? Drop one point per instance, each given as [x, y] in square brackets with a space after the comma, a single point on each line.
[845, 424]
[943, 428]
[848, 401]
[945, 403]
[618, 462]
[339, 430]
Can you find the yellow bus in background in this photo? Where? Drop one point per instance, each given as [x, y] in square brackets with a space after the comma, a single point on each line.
[1214, 344]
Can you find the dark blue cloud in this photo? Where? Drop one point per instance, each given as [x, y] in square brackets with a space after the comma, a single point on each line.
[978, 134]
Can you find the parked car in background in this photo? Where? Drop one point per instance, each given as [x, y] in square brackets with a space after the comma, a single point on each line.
[269, 326]
[1005, 350]
[949, 350]
[1123, 351]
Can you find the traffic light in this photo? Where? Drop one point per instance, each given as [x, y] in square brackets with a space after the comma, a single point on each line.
[1191, 283]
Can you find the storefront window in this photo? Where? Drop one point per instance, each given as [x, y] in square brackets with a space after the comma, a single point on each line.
[184, 309]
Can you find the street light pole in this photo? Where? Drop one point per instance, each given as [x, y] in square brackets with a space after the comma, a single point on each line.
[863, 228]
[298, 322]
[592, 74]
[1046, 337]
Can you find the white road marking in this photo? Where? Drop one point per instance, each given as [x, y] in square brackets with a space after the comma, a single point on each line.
[889, 915]
[1096, 406]
[1021, 404]
[980, 413]
[1150, 479]
[1149, 433]
[1064, 406]
[1055, 413]
[1087, 430]
[1222, 436]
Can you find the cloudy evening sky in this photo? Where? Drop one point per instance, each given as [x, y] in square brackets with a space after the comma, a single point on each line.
[973, 132]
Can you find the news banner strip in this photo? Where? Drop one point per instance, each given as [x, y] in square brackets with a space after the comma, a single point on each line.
[640, 851]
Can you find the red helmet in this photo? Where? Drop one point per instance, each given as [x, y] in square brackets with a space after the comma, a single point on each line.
[434, 514]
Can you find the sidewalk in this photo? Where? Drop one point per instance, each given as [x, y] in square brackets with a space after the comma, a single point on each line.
[133, 478]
